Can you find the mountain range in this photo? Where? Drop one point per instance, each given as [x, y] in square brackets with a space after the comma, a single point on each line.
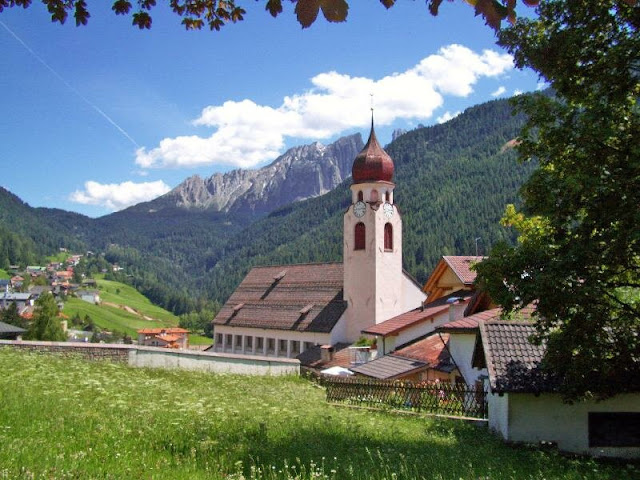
[302, 172]
[198, 241]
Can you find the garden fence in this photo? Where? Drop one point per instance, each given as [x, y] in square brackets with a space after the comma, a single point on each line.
[439, 398]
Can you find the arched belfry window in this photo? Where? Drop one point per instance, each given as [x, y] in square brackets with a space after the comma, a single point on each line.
[360, 196]
[387, 196]
[388, 236]
[374, 196]
[360, 236]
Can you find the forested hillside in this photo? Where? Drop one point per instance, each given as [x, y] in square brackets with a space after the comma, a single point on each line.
[27, 234]
[453, 182]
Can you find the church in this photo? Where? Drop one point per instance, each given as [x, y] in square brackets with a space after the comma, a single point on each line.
[285, 310]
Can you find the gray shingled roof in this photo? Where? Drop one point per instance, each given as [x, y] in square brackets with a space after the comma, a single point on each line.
[513, 362]
[389, 367]
[306, 298]
[7, 330]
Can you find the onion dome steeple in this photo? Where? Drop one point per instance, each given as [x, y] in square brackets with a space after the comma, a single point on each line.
[372, 164]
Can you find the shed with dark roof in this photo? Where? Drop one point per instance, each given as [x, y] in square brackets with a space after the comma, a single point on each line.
[8, 331]
[524, 408]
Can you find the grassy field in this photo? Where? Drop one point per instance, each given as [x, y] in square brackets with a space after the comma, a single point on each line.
[69, 418]
[122, 294]
[4, 274]
[110, 317]
[60, 257]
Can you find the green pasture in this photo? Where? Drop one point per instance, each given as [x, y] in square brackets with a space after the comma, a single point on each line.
[122, 294]
[4, 274]
[111, 318]
[71, 418]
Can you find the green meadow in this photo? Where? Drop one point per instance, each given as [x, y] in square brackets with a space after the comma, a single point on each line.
[111, 316]
[120, 293]
[71, 418]
[4, 274]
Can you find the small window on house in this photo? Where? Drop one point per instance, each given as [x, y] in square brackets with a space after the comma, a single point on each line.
[271, 344]
[360, 196]
[295, 347]
[249, 342]
[388, 237]
[282, 347]
[614, 429]
[229, 339]
[360, 236]
[308, 345]
[219, 339]
[238, 340]
[260, 343]
[387, 196]
[374, 196]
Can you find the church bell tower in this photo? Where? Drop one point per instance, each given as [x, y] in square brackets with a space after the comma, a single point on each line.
[373, 277]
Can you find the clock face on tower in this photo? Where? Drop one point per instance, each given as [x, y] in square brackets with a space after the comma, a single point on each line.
[359, 209]
[388, 210]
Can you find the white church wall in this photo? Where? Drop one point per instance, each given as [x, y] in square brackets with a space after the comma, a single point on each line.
[275, 343]
[413, 294]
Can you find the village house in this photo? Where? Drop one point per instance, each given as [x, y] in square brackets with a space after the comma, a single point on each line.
[171, 337]
[524, 408]
[21, 300]
[90, 296]
[286, 310]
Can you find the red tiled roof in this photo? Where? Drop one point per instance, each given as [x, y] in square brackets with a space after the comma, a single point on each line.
[395, 325]
[430, 350]
[168, 338]
[159, 331]
[461, 266]
[471, 322]
[276, 303]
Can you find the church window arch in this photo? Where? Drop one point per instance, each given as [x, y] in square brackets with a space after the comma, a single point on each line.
[360, 196]
[360, 236]
[387, 196]
[388, 237]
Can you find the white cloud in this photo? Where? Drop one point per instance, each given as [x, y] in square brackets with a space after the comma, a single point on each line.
[499, 91]
[446, 116]
[542, 85]
[517, 92]
[117, 196]
[246, 134]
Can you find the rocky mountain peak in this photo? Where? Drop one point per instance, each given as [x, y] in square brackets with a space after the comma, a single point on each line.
[300, 173]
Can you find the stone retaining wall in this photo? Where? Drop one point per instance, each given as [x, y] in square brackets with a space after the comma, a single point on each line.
[90, 351]
[154, 357]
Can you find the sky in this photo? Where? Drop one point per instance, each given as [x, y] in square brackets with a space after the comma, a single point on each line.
[101, 117]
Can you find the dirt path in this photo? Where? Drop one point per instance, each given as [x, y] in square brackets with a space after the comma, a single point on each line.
[128, 309]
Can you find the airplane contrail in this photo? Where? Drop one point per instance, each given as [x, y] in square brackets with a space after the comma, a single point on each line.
[69, 86]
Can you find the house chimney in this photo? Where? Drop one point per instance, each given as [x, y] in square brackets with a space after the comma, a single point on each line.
[453, 308]
[326, 353]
